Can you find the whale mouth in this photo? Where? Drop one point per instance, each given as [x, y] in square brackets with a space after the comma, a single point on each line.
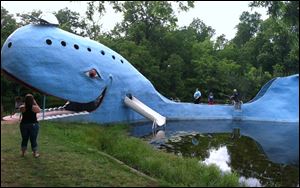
[69, 109]
[89, 106]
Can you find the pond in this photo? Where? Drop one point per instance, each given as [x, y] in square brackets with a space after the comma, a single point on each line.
[262, 153]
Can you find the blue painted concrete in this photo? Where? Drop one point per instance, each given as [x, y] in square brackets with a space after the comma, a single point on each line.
[62, 71]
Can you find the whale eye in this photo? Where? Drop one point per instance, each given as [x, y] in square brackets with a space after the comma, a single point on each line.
[92, 73]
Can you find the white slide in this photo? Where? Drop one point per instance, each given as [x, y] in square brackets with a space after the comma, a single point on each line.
[144, 110]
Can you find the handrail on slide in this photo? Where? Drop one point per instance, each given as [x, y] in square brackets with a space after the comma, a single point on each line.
[144, 110]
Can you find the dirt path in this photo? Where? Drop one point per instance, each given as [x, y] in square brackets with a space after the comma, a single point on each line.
[8, 122]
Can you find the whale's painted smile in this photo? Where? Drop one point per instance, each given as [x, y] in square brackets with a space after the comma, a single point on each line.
[89, 106]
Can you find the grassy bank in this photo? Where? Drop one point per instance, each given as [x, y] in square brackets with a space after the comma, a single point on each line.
[71, 155]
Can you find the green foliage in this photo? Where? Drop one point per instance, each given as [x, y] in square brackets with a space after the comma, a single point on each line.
[172, 82]
[70, 21]
[9, 89]
[202, 31]
[8, 25]
[27, 18]
[174, 170]
[147, 19]
[248, 26]
[282, 31]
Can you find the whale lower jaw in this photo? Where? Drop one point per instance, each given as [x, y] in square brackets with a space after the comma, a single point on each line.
[89, 107]
[58, 112]
[71, 109]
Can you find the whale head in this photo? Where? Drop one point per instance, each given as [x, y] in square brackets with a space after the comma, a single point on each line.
[58, 63]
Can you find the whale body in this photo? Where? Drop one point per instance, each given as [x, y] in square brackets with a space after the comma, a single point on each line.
[96, 79]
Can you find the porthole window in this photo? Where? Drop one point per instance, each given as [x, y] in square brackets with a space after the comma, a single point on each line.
[122, 61]
[76, 46]
[63, 43]
[89, 49]
[48, 41]
[9, 44]
[102, 52]
[113, 57]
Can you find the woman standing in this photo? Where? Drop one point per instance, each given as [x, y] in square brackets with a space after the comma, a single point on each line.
[29, 125]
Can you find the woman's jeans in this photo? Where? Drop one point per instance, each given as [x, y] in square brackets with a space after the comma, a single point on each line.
[29, 131]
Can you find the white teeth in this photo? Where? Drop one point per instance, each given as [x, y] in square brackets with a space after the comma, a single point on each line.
[59, 112]
[84, 112]
[55, 108]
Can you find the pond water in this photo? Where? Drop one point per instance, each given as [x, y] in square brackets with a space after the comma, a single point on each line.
[262, 153]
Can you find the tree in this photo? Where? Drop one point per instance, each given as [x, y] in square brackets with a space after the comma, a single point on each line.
[201, 29]
[220, 42]
[248, 26]
[283, 32]
[142, 19]
[8, 25]
[274, 7]
[27, 18]
[8, 88]
[172, 81]
[70, 21]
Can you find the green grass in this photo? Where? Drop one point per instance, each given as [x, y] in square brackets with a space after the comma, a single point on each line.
[71, 156]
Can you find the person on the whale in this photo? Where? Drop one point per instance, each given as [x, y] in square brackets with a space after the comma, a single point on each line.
[197, 96]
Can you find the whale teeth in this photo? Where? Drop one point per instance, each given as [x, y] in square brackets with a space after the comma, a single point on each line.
[58, 115]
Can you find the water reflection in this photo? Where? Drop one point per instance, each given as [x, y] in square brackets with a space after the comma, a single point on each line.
[263, 154]
[219, 157]
[279, 141]
[251, 182]
[195, 141]
[160, 134]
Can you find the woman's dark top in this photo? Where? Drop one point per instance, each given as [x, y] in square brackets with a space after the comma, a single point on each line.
[28, 116]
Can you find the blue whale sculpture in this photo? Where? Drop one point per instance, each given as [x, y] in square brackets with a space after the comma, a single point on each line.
[97, 80]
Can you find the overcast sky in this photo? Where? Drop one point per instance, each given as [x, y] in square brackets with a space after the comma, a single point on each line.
[222, 16]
